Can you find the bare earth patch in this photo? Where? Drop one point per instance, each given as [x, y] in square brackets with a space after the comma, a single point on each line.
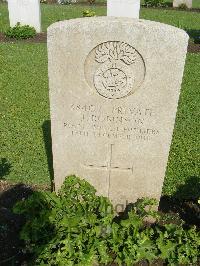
[39, 38]
[42, 38]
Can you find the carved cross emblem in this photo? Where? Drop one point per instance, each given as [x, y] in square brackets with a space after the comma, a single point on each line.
[109, 167]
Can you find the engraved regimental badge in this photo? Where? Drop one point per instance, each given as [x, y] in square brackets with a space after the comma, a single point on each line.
[114, 69]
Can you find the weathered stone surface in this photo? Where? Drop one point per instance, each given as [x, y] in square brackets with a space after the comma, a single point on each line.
[27, 12]
[114, 89]
[123, 8]
[177, 3]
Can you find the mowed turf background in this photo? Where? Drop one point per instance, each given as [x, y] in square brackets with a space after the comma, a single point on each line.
[24, 110]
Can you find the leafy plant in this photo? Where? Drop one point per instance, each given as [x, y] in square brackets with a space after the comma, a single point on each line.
[5, 167]
[178, 246]
[71, 228]
[183, 6]
[91, 2]
[154, 3]
[88, 13]
[77, 227]
[20, 32]
[66, 2]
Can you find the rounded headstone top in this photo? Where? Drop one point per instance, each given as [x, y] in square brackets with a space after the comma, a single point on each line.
[101, 21]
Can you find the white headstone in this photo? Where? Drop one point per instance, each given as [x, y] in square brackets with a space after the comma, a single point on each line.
[114, 90]
[26, 12]
[123, 8]
[178, 3]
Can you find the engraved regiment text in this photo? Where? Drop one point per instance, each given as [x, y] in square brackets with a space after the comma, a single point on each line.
[131, 123]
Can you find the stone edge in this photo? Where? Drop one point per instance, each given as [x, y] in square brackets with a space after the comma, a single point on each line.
[146, 23]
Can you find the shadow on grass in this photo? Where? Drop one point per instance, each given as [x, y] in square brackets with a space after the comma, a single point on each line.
[11, 225]
[46, 128]
[168, 4]
[194, 34]
[184, 201]
[190, 190]
[5, 168]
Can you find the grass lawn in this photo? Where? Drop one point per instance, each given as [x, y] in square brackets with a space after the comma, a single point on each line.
[184, 160]
[24, 109]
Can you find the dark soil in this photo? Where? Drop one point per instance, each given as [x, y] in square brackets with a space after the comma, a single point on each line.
[11, 247]
[39, 38]
[194, 47]
[11, 252]
[42, 38]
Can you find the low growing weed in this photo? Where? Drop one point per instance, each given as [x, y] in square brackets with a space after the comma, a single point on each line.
[77, 227]
[20, 32]
[154, 3]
